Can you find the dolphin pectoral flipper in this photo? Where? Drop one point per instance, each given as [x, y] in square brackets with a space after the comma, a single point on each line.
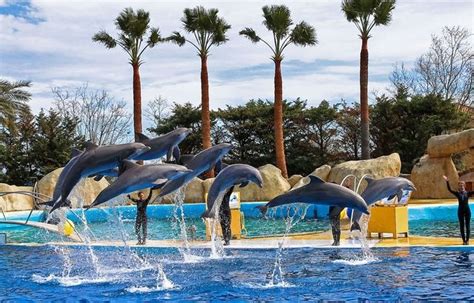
[399, 195]
[176, 153]
[218, 167]
[243, 184]
[263, 209]
[126, 165]
[97, 178]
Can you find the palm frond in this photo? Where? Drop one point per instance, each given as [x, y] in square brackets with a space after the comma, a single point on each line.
[250, 34]
[277, 19]
[177, 38]
[303, 34]
[383, 13]
[104, 38]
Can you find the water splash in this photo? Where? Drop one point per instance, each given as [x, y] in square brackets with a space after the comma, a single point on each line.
[179, 225]
[217, 248]
[295, 213]
[367, 255]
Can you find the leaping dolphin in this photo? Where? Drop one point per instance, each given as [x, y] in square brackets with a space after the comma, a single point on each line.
[93, 160]
[379, 189]
[319, 192]
[163, 145]
[232, 175]
[135, 177]
[199, 164]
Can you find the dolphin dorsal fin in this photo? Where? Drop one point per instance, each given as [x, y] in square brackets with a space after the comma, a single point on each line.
[126, 165]
[315, 180]
[75, 152]
[369, 180]
[90, 145]
[141, 137]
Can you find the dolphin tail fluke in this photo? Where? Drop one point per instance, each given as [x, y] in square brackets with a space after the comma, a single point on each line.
[263, 209]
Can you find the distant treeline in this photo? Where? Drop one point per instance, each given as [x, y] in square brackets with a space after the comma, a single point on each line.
[326, 134]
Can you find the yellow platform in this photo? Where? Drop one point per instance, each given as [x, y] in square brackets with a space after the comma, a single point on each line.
[392, 219]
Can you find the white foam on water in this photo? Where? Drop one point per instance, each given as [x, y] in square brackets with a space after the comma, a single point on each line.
[69, 281]
[145, 289]
[269, 285]
[356, 262]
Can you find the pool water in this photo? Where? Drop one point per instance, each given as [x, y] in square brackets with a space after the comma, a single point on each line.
[123, 274]
[159, 229]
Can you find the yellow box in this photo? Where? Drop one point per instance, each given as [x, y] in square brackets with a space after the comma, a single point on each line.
[235, 218]
[391, 219]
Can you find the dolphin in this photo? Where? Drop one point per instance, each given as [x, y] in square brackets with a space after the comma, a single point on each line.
[232, 175]
[135, 177]
[379, 189]
[75, 153]
[93, 160]
[163, 145]
[201, 163]
[319, 192]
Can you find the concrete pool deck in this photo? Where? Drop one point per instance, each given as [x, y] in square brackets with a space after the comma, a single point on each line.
[304, 240]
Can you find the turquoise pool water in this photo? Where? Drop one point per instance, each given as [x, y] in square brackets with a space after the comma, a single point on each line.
[439, 221]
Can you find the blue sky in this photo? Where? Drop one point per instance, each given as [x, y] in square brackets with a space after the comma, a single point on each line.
[49, 43]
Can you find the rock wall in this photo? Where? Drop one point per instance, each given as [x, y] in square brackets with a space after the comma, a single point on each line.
[446, 145]
[427, 174]
[15, 202]
[384, 166]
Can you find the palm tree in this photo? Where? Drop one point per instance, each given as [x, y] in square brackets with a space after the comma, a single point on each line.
[133, 27]
[277, 19]
[208, 30]
[13, 99]
[366, 14]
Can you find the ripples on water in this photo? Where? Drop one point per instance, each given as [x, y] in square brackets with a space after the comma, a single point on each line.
[36, 273]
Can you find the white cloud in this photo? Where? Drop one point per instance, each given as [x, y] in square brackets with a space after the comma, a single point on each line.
[59, 51]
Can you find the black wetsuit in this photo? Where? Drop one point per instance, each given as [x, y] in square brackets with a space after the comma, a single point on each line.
[464, 213]
[335, 219]
[141, 220]
[224, 216]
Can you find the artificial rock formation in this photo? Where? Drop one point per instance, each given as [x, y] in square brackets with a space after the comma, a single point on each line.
[85, 191]
[294, 179]
[427, 174]
[446, 145]
[321, 172]
[381, 167]
[15, 202]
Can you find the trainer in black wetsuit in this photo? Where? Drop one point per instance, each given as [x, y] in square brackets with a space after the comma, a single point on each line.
[141, 220]
[224, 216]
[464, 212]
[335, 219]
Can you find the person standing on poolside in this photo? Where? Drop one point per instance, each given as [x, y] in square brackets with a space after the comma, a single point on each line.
[141, 220]
[225, 216]
[335, 219]
[464, 212]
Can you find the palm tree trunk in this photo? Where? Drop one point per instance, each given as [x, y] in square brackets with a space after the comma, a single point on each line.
[278, 121]
[364, 100]
[205, 114]
[137, 100]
